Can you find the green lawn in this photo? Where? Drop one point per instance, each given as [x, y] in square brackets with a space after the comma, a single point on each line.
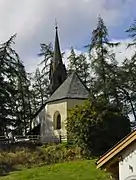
[78, 170]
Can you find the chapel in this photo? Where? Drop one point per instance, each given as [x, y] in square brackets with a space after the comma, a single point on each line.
[67, 91]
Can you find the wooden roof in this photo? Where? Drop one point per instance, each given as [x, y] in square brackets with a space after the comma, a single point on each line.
[115, 150]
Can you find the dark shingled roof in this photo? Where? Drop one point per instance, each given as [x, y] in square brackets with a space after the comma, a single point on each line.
[71, 88]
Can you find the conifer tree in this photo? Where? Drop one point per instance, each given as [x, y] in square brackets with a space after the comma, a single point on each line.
[15, 107]
[47, 54]
[101, 58]
[129, 74]
[79, 64]
[23, 99]
[38, 87]
[8, 74]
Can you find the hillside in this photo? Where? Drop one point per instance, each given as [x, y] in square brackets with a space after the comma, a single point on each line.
[78, 170]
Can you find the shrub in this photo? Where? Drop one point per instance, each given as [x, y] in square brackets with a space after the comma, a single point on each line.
[96, 127]
[47, 154]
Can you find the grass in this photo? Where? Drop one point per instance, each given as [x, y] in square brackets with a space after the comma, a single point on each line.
[77, 170]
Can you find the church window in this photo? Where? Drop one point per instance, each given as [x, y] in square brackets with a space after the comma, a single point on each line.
[57, 120]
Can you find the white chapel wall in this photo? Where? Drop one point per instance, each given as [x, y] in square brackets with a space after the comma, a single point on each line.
[47, 127]
[39, 118]
[127, 166]
[71, 103]
[48, 132]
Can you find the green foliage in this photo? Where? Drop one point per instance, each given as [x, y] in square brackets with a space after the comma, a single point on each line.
[40, 87]
[79, 64]
[132, 31]
[22, 100]
[15, 108]
[78, 170]
[48, 154]
[129, 71]
[101, 60]
[96, 126]
[8, 59]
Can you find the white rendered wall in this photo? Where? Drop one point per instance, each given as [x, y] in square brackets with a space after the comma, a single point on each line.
[47, 128]
[127, 166]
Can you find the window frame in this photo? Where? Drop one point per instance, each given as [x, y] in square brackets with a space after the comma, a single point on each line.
[57, 120]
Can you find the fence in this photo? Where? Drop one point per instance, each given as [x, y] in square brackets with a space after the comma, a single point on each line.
[53, 139]
[33, 139]
[15, 139]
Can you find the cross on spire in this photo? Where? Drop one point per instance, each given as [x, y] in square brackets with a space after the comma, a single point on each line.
[56, 24]
[57, 59]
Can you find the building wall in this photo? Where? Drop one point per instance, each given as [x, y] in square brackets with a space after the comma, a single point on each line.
[127, 165]
[48, 133]
[39, 118]
[71, 103]
[47, 128]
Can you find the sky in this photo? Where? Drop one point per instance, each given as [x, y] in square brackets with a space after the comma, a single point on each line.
[34, 22]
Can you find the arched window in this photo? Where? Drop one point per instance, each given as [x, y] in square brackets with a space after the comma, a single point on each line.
[57, 120]
[58, 123]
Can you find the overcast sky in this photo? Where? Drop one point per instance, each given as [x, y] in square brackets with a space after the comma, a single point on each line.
[33, 21]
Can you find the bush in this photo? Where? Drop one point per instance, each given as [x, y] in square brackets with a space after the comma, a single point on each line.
[96, 127]
[47, 154]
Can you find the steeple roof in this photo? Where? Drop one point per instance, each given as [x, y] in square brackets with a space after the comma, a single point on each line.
[57, 68]
[57, 53]
[71, 88]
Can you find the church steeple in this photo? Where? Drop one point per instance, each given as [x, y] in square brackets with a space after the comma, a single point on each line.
[57, 58]
[57, 68]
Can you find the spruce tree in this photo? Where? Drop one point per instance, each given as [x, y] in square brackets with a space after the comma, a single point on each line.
[101, 58]
[8, 74]
[79, 64]
[129, 73]
[38, 87]
[47, 54]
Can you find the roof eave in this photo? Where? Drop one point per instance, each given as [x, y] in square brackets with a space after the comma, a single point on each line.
[59, 99]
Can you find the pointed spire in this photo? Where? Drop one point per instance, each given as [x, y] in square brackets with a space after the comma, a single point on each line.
[57, 69]
[57, 59]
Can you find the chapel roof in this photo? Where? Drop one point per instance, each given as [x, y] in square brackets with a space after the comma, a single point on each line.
[71, 88]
